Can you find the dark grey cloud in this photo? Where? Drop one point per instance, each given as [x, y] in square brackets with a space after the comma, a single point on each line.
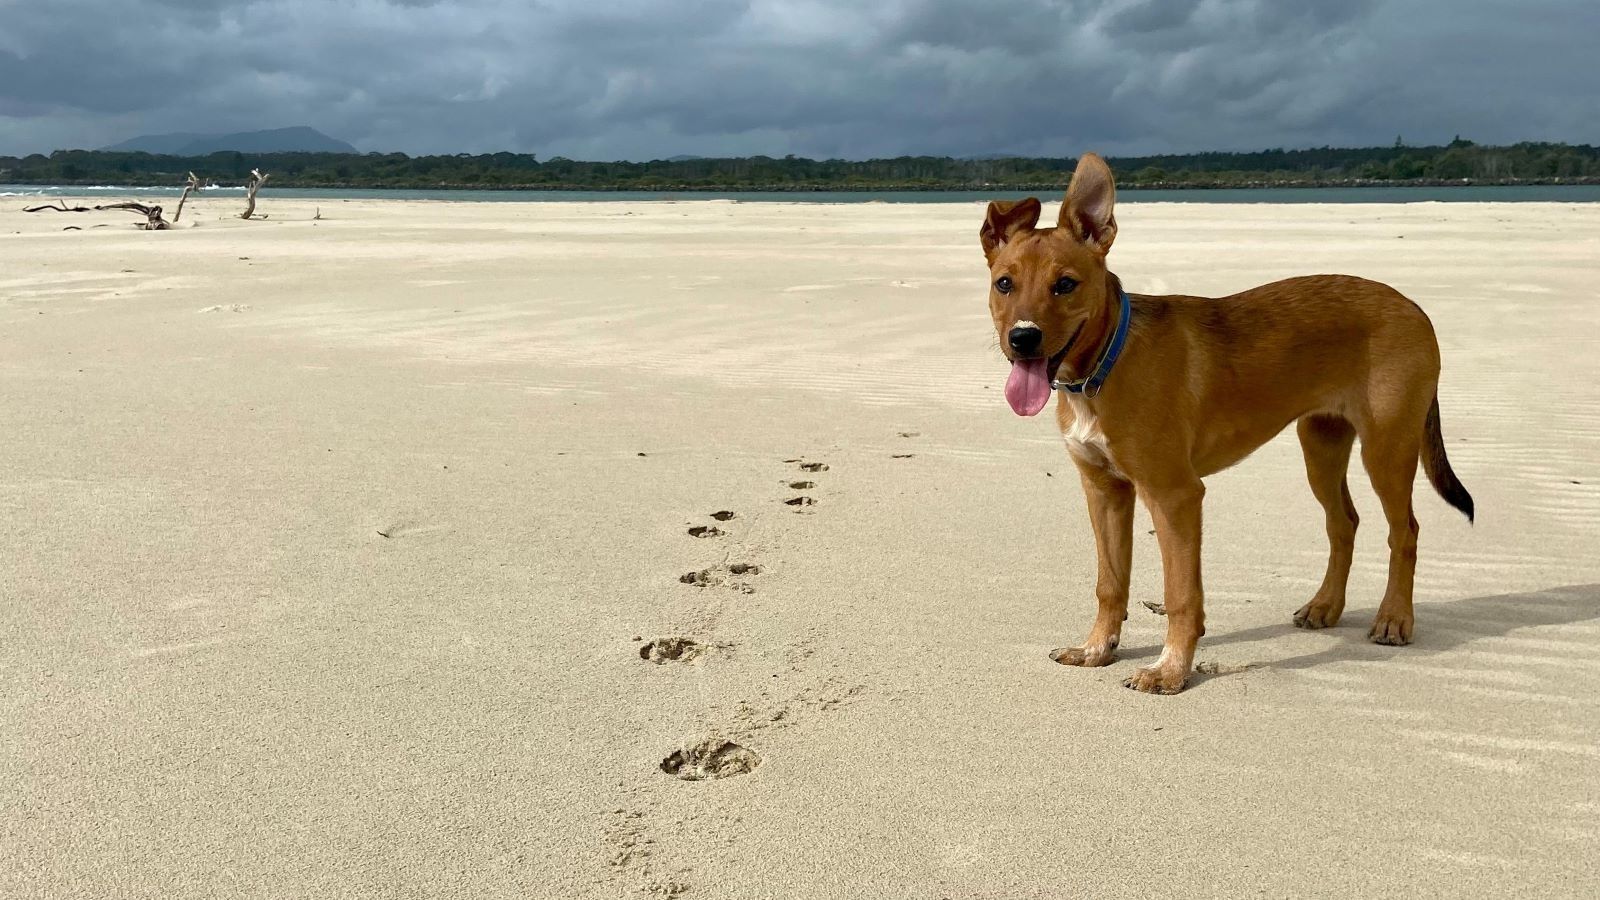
[639, 79]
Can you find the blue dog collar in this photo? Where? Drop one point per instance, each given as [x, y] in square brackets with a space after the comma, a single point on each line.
[1090, 386]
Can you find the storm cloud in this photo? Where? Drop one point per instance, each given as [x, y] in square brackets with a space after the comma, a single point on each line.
[643, 79]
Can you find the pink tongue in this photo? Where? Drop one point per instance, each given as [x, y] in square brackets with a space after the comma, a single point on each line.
[1028, 390]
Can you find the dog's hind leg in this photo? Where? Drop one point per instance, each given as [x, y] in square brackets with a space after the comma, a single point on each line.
[1326, 441]
[1111, 513]
[1390, 455]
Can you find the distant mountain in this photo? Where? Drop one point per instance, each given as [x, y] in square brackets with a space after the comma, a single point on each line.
[683, 157]
[300, 138]
[158, 143]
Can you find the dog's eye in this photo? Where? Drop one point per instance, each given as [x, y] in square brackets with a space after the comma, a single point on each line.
[1063, 286]
[1004, 284]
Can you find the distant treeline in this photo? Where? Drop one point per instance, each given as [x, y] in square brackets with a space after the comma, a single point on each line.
[1458, 162]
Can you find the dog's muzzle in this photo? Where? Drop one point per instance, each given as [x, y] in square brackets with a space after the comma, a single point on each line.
[1025, 339]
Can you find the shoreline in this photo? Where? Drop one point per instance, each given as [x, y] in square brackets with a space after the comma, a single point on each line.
[1373, 194]
[886, 187]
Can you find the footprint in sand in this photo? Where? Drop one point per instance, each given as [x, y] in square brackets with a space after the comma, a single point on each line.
[802, 501]
[715, 577]
[703, 531]
[702, 578]
[723, 515]
[671, 649]
[711, 758]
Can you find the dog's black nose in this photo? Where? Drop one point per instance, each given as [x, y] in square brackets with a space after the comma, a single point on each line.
[1025, 338]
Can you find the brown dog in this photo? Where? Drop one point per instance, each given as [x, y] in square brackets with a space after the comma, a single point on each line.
[1158, 392]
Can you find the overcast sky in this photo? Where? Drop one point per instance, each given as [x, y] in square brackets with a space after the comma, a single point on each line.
[642, 79]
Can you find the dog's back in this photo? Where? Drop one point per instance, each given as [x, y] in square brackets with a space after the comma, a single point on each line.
[1239, 369]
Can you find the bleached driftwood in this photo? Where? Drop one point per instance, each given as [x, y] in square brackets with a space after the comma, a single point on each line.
[152, 214]
[193, 185]
[257, 179]
[60, 206]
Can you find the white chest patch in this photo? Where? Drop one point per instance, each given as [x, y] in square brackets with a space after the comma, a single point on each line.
[1084, 437]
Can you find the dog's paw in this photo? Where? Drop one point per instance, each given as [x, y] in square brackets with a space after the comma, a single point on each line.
[1391, 629]
[1157, 680]
[1318, 614]
[1089, 656]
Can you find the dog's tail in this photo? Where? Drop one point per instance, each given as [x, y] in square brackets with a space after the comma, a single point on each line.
[1437, 464]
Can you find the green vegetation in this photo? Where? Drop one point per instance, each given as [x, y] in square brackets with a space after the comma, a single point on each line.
[1456, 163]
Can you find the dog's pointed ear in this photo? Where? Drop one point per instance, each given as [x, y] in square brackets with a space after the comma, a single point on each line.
[1004, 219]
[1088, 211]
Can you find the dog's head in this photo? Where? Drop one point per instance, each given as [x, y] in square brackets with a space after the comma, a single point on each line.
[1049, 290]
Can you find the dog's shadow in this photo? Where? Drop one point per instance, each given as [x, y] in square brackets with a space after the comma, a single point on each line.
[1441, 627]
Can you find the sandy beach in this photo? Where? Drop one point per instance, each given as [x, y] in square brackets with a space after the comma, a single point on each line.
[332, 552]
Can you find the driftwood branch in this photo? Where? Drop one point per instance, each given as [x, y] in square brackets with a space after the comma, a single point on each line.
[152, 214]
[59, 206]
[257, 179]
[193, 185]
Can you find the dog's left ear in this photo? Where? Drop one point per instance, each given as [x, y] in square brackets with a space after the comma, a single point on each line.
[1087, 212]
[1004, 219]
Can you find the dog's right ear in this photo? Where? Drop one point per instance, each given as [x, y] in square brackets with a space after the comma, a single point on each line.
[1004, 219]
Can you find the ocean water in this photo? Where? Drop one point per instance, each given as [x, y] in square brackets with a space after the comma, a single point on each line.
[1465, 194]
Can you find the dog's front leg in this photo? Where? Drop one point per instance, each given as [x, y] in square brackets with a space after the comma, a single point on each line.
[1175, 507]
[1111, 513]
